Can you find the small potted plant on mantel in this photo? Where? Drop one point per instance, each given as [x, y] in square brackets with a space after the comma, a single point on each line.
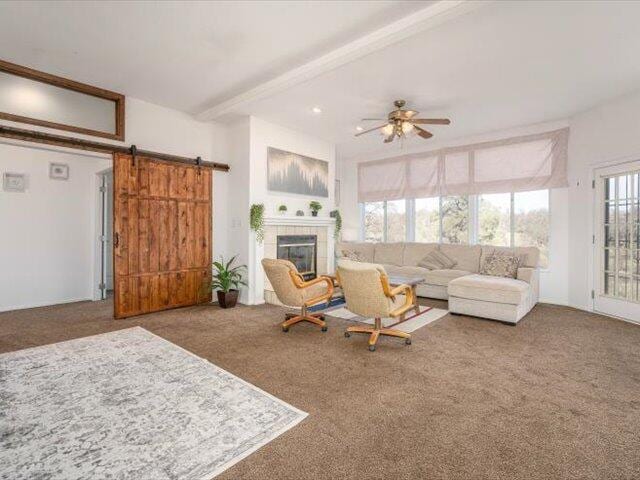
[282, 209]
[315, 208]
[226, 280]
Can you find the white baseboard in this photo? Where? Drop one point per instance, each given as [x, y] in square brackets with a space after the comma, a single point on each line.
[11, 308]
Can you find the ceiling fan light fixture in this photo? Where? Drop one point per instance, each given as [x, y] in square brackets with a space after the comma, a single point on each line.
[387, 129]
[407, 128]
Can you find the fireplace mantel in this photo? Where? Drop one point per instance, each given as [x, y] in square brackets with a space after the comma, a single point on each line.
[300, 221]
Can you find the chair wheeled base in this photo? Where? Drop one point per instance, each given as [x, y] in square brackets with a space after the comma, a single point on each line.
[375, 332]
[315, 318]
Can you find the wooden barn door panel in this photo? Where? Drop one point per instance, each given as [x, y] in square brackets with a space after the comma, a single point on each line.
[162, 219]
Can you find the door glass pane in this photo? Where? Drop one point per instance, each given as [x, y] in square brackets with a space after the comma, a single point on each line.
[427, 220]
[494, 219]
[373, 221]
[610, 259]
[531, 218]
[396, 221]
[455, 219]
[621, 236]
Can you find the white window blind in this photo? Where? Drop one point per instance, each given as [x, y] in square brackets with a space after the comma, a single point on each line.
[520, 164]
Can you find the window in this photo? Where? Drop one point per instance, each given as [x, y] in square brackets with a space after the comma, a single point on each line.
[396, 221]
[455, 219]
[494, 219]
[531, 222]
[374, 222]
[427, 219]
[385, 221]
[504, 219]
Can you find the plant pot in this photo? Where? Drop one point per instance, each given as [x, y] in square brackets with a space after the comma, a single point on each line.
[314, 214]
[227, 299]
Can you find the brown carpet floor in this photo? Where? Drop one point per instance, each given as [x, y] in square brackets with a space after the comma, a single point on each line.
[556, 397]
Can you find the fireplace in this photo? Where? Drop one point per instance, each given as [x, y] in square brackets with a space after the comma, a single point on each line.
[301, 250]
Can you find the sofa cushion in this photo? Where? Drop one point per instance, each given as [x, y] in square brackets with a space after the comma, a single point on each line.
[530, 256]
[389, 253]
[466, 256]
[443, 277]
[414, 252]
[365, 250]
[490, 289]
[405, 271]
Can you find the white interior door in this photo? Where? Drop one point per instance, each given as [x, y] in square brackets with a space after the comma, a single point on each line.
[617, 241]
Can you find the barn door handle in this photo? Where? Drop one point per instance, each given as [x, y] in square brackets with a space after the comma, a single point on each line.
[116, 240]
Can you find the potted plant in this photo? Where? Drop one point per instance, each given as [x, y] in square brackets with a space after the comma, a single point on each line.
[227, 280]
[299, 213]
[315, 208]
[282, 209]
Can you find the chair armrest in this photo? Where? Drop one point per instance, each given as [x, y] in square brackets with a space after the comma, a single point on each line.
[301, 284]
[408, 300]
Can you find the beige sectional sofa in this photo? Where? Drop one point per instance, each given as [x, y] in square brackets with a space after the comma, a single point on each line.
[468, 292]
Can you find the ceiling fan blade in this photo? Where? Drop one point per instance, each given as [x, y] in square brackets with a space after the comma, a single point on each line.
[422, 132]
[371, 130]
[431, 121]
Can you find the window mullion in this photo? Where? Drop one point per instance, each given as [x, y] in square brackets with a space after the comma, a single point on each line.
[410, 219]
[512, 220]
[440, 219]
[384, 221]
[473, 219]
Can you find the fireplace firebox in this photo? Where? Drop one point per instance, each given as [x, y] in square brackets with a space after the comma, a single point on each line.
[301, 250]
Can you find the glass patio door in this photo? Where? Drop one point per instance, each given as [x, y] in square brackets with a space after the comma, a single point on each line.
[617, 241]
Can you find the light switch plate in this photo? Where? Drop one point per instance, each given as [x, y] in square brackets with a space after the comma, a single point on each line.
[14, 182]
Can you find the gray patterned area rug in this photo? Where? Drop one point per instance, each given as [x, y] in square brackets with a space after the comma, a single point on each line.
[128, 405]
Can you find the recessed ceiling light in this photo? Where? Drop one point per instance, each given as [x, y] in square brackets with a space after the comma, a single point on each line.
[359, 128]
[316, 110]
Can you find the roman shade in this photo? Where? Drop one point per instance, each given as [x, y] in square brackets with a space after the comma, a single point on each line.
[519, 164]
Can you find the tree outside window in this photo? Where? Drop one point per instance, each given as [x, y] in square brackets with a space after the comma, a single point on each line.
[455, 219]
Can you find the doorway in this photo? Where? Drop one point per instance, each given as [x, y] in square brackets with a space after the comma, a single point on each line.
[105, 234]
[617, 241]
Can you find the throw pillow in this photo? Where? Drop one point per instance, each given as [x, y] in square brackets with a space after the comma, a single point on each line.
[497, 265]
[436, 260]
[445, 260]
[353, 255]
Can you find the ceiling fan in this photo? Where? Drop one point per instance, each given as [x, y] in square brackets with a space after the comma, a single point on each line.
[402, 122]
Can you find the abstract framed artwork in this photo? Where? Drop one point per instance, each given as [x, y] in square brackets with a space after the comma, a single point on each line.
[293, 173]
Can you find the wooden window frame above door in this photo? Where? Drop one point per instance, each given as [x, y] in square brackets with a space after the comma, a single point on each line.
[61, 82]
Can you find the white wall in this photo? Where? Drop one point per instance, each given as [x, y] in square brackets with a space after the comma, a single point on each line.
[553, 281]
[150, 127]
[46, 244]
[605, 135]
[263, 134]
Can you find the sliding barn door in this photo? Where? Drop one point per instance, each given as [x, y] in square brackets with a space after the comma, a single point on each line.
[162, 235]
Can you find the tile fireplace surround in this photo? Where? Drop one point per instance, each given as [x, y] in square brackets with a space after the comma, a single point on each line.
[322, 227]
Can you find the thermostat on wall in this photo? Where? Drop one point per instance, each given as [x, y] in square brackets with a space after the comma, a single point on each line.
[14, 182]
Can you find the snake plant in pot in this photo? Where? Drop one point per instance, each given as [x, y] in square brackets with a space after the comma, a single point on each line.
[226, 279]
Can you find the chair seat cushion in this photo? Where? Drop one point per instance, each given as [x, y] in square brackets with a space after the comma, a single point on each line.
[490, 289]
[443, 277]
